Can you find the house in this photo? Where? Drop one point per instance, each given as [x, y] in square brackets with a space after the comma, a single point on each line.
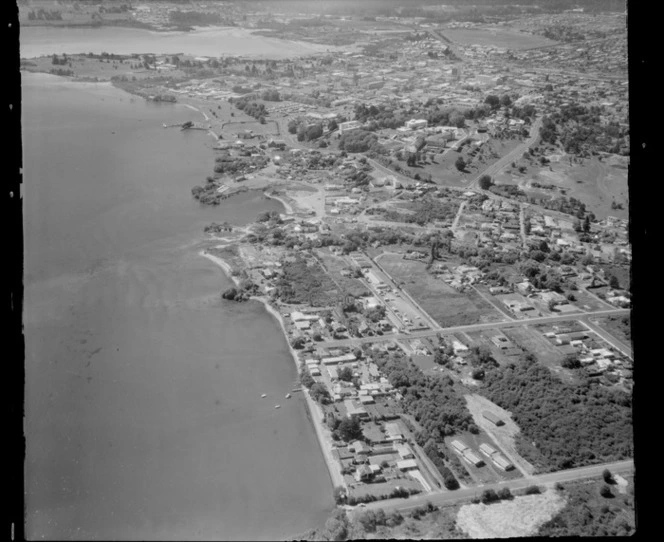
[472, 458]
[366, 400]
[334, 374]
[459, 446]
[501, 342]
[348, 126]
[524, 287]
[407, 464]
[347, 358]
[363, 473]
[404, 451]
[492, 418]
[500, 462]
[359, 447]
[416, 124]
[487, 449]
[393, 432]
[354, 411]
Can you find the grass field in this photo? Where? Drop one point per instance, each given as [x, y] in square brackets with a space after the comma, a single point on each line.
[618, 326]
[496, 37]
[443, 303]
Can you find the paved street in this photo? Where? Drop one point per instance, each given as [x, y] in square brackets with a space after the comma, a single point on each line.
[473, 327]
[449, 497]
[512, 156]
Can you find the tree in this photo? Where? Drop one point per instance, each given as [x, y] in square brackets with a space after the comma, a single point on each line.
[485, 182]
[339, 494]
[346, 374]
[492, 100]
[505, 100]
[606, 492]
[489, 496]
[306, 379]
[350, 429]
[320, 394]
[614, 282]
[460, 164]
[504, 494]
[608, 477]
[298, 342]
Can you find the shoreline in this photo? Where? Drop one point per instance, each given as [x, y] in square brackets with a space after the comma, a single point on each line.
[289, 208]
[315, 412]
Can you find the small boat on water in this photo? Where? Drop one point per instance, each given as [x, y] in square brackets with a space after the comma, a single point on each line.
[288, 396]
[277, 406]
[263, 396]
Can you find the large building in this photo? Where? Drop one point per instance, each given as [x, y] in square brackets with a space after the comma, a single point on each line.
[416, 124]
[348, 126]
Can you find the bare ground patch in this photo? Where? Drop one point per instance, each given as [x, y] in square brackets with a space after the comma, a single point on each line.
[520, 517]
[505, 435]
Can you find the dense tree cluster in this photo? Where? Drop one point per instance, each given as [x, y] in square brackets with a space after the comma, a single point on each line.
[585, 515]
[571, 425]
[434, 402]
[301, 282]
[437, 458]
[359, 141]
[230, 165]
[380, 117]
[580, 130]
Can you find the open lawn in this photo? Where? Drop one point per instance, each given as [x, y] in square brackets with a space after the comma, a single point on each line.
[595, 183]
[533, 341]
[235, 127]
[444, 171]
[496, 37]
[443, 303]
[519, 517]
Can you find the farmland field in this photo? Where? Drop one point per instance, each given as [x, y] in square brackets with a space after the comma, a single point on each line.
[443, 303]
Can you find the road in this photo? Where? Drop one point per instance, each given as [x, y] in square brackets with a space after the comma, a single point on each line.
[513, 155]
[450, 497]
[458, 215]
[472, 327]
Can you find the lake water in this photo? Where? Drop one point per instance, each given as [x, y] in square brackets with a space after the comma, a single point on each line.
[143, 411]
[216, 42]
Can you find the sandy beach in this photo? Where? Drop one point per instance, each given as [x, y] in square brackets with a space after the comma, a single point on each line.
[223, 264]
